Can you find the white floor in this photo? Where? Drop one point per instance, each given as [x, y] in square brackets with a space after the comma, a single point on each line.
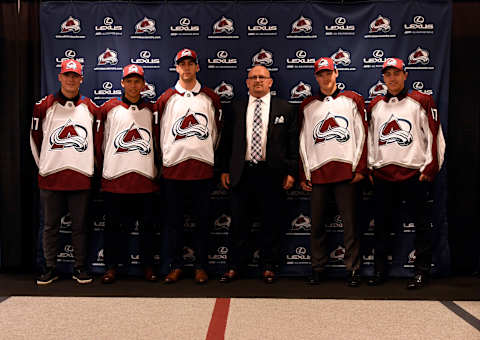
[156, 318]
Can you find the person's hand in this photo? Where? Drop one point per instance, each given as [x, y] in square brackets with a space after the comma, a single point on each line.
[225, 179]
[288, 182]
[370, 177]
[306, 185]
[425, 178]
[357, 178]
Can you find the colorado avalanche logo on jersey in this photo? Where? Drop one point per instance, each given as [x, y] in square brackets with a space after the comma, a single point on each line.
[224, 90]
[133, 139]
[332, 127]
[396, 130]
[108, 57]
[302, 24]
[301, 90]
[223, 25]
[70, 25]
[192, 124]
[419, 56]
[69, 135]
[145, 25]
[263, 57]
[341, 57]
[380, 24]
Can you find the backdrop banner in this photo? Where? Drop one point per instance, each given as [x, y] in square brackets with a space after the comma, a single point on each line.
[287, 38]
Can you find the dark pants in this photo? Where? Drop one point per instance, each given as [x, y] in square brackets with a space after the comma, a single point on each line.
[388, 196]
[345, 197]
[57, 203]
[122, 210]
[177, 194]
[258, 191]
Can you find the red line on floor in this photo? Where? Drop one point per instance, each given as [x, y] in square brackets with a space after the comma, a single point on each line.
[218, 322]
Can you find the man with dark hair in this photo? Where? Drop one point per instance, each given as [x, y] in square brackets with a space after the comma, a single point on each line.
[126, 149]
[61, 139]
[190, 124]
[406, 150]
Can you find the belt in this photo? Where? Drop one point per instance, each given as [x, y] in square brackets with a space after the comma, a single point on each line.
[253, 165]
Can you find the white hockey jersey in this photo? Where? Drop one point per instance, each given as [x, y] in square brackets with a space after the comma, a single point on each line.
[190, 125]
[127, 147]
[333, 131]
[61, 139]
[405, 136]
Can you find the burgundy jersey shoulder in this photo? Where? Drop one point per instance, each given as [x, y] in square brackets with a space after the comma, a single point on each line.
[215, 98]
[425, 100]
[356, 97]
[163, 99]
[40, 108]
[307, 101]
[148, 105]
[374, 102]
[109, 105]
[92, 107]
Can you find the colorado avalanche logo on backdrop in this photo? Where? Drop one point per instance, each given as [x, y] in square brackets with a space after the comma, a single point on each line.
[148, 91]
[192, 124]
[341, 57]
[379, 89]
[419, 56]
[301, 90]
[332, 127]
[70, 25]
[302, 24]
[301, 223]
[380, 24]
[133, 139]
[69, 135]
[223, 25]
[108, 57]
[224, 90]
[396, 130]
[263, 57]
[145, 25]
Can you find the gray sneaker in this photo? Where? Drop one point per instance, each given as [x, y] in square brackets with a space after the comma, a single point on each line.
[48, 276]
[82, 275]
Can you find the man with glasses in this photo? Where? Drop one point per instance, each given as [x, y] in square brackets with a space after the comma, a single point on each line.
[260, 148]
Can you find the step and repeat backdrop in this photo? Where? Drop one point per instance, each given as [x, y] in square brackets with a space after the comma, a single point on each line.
[230, 38]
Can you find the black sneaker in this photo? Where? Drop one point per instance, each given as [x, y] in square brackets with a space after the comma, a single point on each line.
[82, 275]
[48, 276]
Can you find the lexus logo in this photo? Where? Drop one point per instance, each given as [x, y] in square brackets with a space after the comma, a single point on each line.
[418, 85]
[68, 248]
[108, 21]
[301, 54]
[222, 54]
[377, 53]
[418, 19]
[145, 54]
[70, 53]
[301, 250]
[341, 86]
[340, 21]
[222, 250]
[184, 21]
[107, 85]
[262, 21]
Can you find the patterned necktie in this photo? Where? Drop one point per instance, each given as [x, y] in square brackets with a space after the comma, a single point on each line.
[256, 150]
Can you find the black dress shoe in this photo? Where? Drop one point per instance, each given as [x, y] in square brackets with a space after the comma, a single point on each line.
[316, 278]
[419, 280]
[354, 279]
[378, 279]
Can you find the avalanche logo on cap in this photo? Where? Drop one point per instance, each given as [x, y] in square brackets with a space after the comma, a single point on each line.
[263, 57]
[302, 24]
[301, 90]
[145, 25]
[224, 90]
[332, 127]
[108, 57]
[191, 124]
[395, 130]
[223, 25]
[133, 139]
[71, 65]
[322, 63]
[70, 25]
[69, 135]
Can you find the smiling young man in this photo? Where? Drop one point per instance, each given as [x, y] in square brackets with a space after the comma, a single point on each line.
[190, 124]
[333, 151]
[61, 139]
[406, 150]
[126, 149]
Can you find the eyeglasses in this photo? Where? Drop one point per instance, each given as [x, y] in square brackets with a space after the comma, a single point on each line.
[259, 78]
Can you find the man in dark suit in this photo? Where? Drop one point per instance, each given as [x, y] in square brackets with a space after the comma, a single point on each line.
[260, 150]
